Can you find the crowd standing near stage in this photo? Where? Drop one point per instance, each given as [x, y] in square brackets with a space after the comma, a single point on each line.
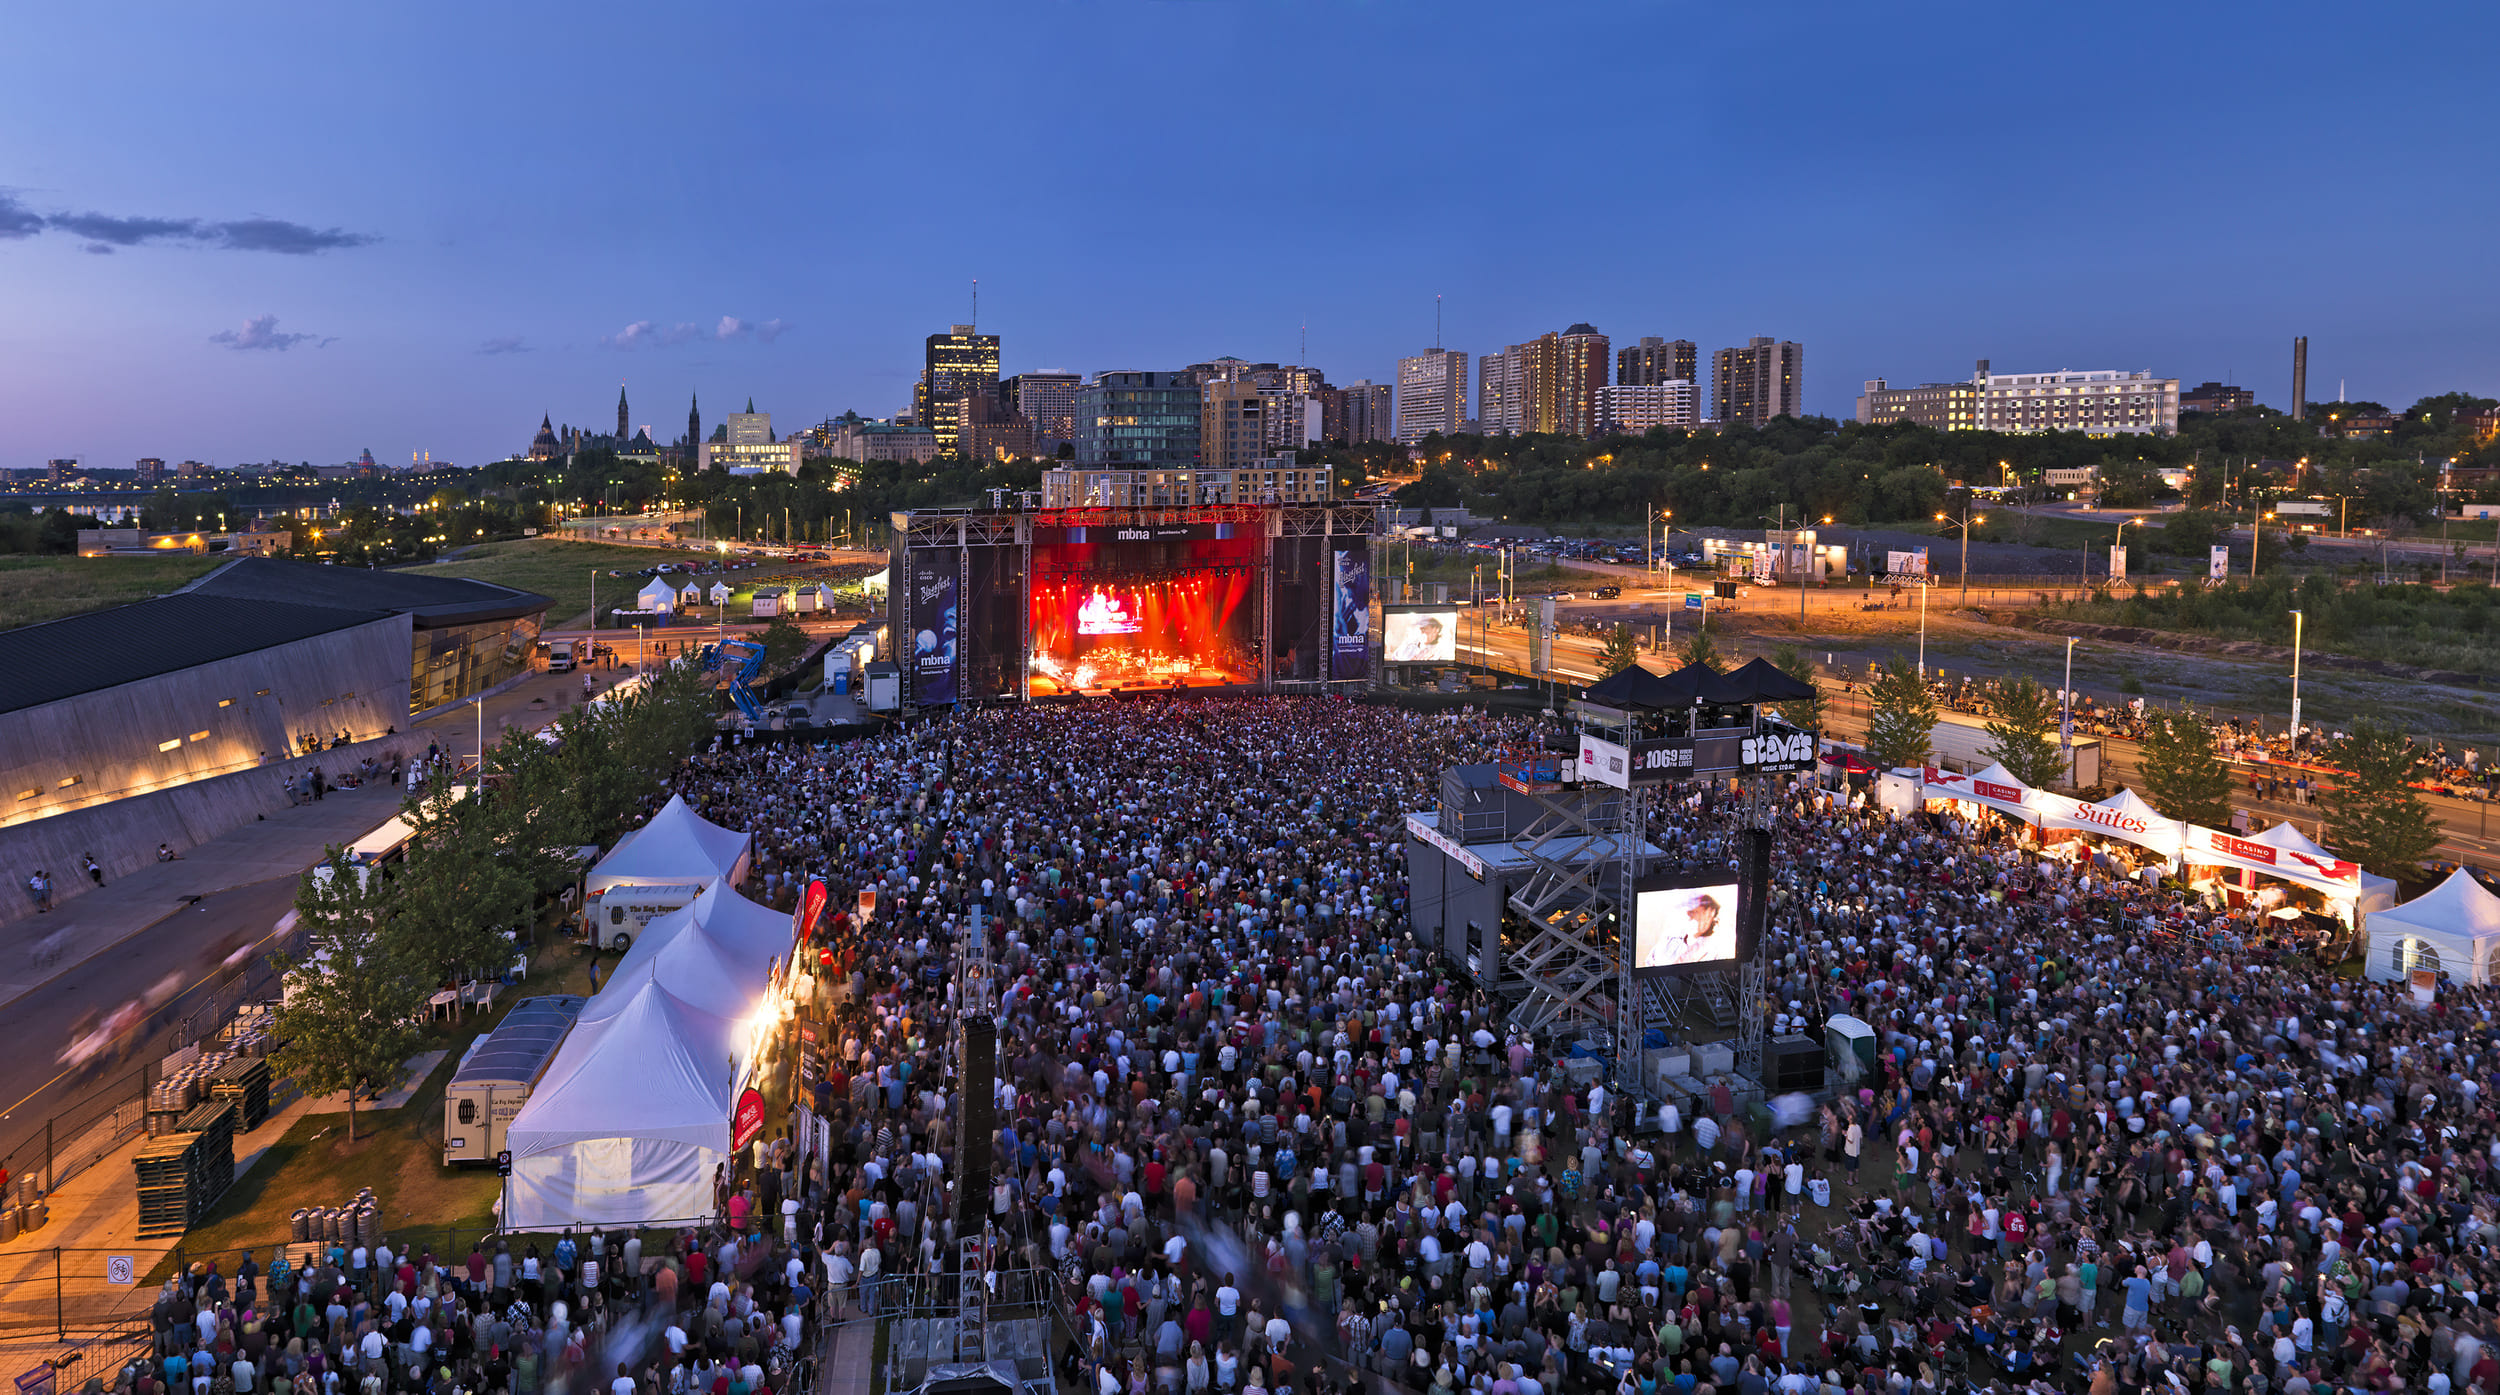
[1268, 1144]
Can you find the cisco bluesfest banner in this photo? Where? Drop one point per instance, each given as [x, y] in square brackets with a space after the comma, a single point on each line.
[934, 615]
[1350, 617]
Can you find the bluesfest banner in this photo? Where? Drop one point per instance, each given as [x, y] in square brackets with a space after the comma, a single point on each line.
[935, 611]
[1350, 617]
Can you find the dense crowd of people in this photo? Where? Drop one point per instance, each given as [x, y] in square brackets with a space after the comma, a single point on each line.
[1261, 1140]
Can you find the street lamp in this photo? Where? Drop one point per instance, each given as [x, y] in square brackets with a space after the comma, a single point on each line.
[2297, 618]
[1967, 519]
[2120, 542]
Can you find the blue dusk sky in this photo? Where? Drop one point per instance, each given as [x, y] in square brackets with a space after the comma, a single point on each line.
[242, 232]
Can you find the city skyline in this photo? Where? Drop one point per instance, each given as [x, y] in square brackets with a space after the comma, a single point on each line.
[201, 272]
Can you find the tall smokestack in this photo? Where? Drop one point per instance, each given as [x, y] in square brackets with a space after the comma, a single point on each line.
[2300, 378]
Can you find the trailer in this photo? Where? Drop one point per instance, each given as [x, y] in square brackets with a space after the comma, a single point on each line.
[501, 1069]
[1963, 743]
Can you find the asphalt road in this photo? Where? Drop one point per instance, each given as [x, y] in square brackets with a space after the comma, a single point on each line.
[34, 1086]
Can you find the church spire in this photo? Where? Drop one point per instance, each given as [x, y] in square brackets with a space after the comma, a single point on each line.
[750, 404]
[694, 426]
[620, 415]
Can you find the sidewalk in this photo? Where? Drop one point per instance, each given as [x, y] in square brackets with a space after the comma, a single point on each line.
[94, 1220]
[283, 844]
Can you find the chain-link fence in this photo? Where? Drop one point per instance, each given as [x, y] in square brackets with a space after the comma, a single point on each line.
[107, 1094]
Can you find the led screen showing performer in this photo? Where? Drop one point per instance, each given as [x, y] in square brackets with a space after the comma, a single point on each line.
[1683, 927]
[1419, 637]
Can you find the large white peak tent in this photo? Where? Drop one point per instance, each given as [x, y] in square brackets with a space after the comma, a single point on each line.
[1992, 788]
[2285, 838]
[2124, 816]
[676, 846]
[658, 595]
[716, 952]
[633, 1119]
[2454, 926]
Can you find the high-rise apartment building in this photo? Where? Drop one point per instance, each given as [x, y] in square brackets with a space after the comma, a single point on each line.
[1632, 408]
[2216, 397]
[151, 469]
[1048, 400]
[1501, 393]
[1656, 360]
[1764, 379]
[1432, 395]
[1129, 417]
[1548, 384]
[2101, 402]
[959, 362]
[1232, 424]
[1359, 412]
[59, 471]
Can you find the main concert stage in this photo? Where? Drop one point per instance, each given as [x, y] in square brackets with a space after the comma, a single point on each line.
[1007, 605]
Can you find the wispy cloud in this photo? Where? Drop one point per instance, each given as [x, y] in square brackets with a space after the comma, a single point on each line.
[16, 219]
[291, 239]
[724, 330]
[504, 344]
[104, 232]
[262, 332]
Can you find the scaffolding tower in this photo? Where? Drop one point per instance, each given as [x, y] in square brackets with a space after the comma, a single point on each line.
[1587, 847]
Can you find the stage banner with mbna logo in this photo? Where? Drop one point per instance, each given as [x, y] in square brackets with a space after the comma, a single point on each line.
[935, 613]
[1350, 616]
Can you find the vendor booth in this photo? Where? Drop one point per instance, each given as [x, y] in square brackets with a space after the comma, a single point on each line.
[2454, 928]
[2123, 816]
[677, 845]
[1992, 788]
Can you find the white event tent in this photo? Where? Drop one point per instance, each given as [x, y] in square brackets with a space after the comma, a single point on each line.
[2454, 926]
[658, 595]
[638, 1109]
[676, 846]
[1992, 788]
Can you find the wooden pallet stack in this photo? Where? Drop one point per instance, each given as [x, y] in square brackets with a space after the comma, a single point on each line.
[181, 1174]
[243, 1081]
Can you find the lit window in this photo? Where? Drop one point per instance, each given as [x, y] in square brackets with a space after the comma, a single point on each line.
[173, 745]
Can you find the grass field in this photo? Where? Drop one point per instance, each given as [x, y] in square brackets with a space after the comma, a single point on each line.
[36, 589]
[560, 571]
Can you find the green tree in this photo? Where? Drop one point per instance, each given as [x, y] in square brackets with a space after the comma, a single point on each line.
[1620, 652]
[2374, 816]
[1804, 712]
[1702, 649]
[469, 877]
[2183, 774]
[2023, 736]
[348, 1018]
[1901, 718]
[783, 643]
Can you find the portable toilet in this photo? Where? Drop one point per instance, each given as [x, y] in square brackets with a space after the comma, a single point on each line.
[1850, 1045]
[884, 686]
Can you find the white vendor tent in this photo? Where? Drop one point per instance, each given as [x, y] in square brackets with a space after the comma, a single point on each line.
[692, 595]
[676, 846]
[874, 582]
[1992, 788]
[658, 595]
[716, 952]
[2278, 852]
[634, 1116]
[2454, 926]
[2123, 816]
[721, 593]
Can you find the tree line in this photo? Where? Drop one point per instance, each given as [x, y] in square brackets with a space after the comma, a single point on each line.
[369, 950]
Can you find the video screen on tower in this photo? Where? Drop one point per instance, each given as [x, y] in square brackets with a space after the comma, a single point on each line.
[1419, 636]
[1143, 609]
[1684, 925]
